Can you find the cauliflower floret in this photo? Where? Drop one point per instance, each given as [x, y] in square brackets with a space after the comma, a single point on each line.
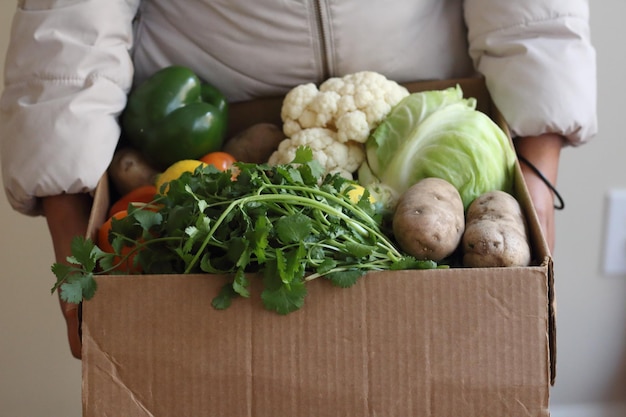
[334, 156]
[369, 93]
[319, 111]
[352, 105]
[352, 125]
[298, 98]
[346, 104]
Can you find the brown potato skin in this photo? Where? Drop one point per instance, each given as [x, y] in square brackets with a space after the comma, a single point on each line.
[129, 169]
[429, 220]
[255, 144]
[496, 233]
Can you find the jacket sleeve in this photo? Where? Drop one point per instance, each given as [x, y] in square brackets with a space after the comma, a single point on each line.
[538, 63]
[68, 70]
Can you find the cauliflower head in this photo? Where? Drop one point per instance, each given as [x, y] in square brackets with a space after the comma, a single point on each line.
[350, 106]
[336, 157]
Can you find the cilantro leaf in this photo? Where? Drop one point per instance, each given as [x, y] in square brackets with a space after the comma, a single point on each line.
[88, 286]
[409, 262]
[241, 283]
[225, 297]
[258, 237]
[61, 271]
[344, 279]
[146, 218]
[290, 263]
[72, 292]
[310, 169]
[293, 228]
[108, 262]
[83, 253]
[326, 266]
[284, 299]
[290, 174]
[303, 155]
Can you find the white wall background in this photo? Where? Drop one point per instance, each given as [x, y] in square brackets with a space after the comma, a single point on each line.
[38, 376]
[591, 315]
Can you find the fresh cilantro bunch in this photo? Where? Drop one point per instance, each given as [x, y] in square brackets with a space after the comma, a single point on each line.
[288, 223]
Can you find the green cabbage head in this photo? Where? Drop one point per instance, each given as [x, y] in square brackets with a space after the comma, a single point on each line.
[437, 134]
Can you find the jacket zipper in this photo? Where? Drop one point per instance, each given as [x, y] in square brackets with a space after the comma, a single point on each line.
[319, 7]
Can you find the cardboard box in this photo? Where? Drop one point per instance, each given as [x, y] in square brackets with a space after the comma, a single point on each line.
[456, 342]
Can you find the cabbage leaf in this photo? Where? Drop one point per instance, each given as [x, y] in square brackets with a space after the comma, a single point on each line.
[437, 133]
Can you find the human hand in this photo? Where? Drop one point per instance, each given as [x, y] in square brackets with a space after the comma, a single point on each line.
[67, 216]
[543, 201]
[543, 152]
[71, 314]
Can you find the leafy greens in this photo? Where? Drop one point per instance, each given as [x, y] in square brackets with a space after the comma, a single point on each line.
[289, 223]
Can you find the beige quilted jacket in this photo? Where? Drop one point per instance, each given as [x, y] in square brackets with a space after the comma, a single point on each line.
[71, 63]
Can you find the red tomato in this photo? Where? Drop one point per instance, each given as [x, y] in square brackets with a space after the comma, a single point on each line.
[143, 195]
[220, 160]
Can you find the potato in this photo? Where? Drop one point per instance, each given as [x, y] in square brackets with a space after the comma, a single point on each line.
[129, 169]
[429, 220]
[255, 144]
[495, 232]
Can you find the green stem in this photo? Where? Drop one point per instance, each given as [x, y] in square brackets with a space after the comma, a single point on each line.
[296, 200]
[331, 197]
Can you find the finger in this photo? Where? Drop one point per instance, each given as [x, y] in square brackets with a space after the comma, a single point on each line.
[71, 313]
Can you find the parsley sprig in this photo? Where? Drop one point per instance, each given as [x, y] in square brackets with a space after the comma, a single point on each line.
[289, 223]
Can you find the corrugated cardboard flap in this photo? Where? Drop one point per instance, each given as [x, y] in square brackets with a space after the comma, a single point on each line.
[409, 343]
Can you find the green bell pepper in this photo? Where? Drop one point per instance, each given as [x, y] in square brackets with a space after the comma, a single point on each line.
[174, 116]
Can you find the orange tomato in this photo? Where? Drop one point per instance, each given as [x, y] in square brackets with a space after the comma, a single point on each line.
[139, 196]
[104, 244]
[220, 160]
